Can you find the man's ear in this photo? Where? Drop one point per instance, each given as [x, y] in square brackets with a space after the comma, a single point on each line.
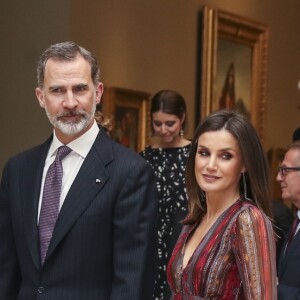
[99, 92]
[40, 96]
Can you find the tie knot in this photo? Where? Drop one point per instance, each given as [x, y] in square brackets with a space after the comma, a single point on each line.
[62, 152]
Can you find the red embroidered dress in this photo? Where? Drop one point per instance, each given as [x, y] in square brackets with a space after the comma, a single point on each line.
[234, 261]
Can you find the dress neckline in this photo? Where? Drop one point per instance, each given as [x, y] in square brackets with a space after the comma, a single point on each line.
[169, 148]
[205, 238]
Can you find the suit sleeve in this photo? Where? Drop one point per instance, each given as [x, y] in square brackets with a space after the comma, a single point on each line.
[256, 255]
[288, 292]
[9, 271]
[135, 235]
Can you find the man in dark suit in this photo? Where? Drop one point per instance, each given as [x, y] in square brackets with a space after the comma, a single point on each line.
[98, 241]
[289, 261]
[282, 221]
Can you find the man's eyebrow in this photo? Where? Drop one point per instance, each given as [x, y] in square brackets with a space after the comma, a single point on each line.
[81, 85]
[54, 87]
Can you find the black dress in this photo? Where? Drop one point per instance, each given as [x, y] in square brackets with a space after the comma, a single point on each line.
[169, 165]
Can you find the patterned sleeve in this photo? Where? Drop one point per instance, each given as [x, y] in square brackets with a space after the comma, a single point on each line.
[256, 255]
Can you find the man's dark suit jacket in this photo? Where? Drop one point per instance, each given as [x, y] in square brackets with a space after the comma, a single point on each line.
[104, 242]
[289, 270]
[282, 220]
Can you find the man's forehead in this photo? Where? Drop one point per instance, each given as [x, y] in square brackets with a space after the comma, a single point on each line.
[293, 155]
[78, 70]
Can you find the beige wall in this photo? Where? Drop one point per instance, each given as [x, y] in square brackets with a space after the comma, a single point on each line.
[141, 44]
[27, 28]
[152, 45]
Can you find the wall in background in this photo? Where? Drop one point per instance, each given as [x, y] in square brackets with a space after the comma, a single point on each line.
[27, 28]
[152, 45]
[143, 45]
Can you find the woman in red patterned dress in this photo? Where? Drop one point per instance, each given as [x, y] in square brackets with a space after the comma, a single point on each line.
[227, 247]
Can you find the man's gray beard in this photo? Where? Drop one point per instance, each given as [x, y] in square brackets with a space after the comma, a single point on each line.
[72, 128]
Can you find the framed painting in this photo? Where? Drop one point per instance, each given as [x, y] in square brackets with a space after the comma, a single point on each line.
[234, 66]
[129, 112]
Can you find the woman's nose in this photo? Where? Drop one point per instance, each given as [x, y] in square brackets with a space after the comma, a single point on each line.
[163, 129]
[212, 163]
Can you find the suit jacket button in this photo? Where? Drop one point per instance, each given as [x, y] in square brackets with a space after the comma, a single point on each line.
[41, 290]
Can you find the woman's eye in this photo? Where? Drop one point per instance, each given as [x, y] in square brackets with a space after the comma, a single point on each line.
[170, 124]
[157, 124]
[226, 156]
[203, 153]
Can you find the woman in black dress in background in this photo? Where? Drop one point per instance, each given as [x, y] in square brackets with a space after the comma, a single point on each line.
[168, 159]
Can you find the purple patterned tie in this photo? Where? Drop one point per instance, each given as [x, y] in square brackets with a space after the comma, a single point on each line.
[50, 201]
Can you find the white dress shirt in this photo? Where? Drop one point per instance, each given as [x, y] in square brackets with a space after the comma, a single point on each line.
[298, 226]
[71, 163]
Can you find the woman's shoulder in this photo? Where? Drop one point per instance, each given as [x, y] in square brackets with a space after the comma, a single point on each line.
[148, 149]
[249, 213]
[250, 207]
[158, 148]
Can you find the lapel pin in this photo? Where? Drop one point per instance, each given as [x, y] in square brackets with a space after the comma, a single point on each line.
[98, 180]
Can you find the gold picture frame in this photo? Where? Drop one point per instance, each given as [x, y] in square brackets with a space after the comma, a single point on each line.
[234, 49]
[129, 110]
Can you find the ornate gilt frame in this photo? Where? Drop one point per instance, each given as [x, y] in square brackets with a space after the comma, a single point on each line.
[217, 25]
[116, 102]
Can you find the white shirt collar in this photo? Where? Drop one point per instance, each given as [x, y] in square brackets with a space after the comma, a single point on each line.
[82, 145]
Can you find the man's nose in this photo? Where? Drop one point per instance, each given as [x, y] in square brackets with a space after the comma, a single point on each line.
[70, 100]
[279, 176]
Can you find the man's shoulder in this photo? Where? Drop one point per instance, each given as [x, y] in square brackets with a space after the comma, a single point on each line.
[34, 151]
[117, 150]
[120, 158]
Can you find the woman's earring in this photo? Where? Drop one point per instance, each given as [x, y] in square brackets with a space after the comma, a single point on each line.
[181, 132]
[245, 186]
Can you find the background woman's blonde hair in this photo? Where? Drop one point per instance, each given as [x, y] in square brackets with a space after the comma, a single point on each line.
[104, 120]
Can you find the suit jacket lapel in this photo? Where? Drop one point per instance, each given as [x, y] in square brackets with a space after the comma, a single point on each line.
[30, 185]
[87, 184]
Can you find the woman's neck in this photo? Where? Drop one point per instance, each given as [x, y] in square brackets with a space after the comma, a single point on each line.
[182, 142]
[216, 205]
